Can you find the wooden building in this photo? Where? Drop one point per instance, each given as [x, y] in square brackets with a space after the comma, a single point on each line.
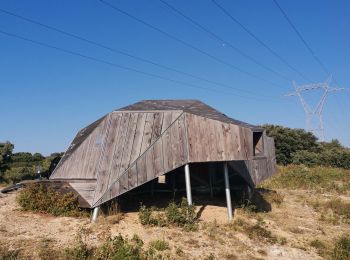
[138, 143]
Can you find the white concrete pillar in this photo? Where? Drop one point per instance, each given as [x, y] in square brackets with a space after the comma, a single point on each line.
[228, 192]
[188, 184]
[95, 214]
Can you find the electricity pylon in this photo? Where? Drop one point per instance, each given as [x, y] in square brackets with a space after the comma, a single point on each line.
[317, 111]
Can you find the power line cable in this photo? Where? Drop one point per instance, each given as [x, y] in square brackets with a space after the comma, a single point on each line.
[119, 66]
[112, 49]
[273, 52]
[221, 40]
[311, 51]
[324, 68]
[114, 7]
[307, 45]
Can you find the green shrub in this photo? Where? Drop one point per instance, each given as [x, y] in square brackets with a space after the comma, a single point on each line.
[43, 198]
[145, 215]
[18, 174]
[181, 215]
[341, 249]
[121, 248]
[159, 245]
[300, 147]
[79, 251]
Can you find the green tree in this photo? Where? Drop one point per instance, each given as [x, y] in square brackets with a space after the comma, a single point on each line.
[5, 156]
[5, 152]
[288, 141]
[300, 147]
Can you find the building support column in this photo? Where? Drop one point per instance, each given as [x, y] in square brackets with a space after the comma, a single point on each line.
[228, 192]
[188, 184]
[95, 214]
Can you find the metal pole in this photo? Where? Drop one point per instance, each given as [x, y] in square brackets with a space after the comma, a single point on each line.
[188, 184]
[228, 193]
[95, 214]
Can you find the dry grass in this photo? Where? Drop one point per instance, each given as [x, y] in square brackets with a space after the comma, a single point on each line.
[322, 179]
[333, 210]
[291, 228]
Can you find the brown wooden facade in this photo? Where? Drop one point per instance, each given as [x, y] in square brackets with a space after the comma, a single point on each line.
[136, 144]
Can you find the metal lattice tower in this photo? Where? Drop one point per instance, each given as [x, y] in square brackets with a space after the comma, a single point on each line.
[317, 111]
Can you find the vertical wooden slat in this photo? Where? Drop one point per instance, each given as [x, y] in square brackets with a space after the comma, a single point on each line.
[132, 176]
[147, 133]
[117, 156]
[174, 133]
[149, 164]
[183, 153]
[129, 139]
[166, 142]
[136, 147]
[141, 170]
[103, 173]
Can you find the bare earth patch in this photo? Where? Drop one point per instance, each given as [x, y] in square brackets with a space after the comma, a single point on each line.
[283, 233]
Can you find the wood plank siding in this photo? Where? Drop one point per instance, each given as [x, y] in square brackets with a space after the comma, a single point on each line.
[133, 145]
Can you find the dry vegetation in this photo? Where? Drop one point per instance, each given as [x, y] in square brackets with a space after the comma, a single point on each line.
[309, 219]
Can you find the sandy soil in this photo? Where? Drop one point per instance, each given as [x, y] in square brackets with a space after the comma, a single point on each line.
[294, 222]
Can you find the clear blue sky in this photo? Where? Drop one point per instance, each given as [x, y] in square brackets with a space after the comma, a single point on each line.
[48, 95]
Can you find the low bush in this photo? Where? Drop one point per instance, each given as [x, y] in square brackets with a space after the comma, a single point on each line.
[17, 174]
[180, 215]
[120, 247]
[159, 245]
[43, 198]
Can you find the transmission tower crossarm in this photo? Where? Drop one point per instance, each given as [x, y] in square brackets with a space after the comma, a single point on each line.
[318, 110]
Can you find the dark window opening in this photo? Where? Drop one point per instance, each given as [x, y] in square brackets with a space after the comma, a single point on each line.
[258, 143]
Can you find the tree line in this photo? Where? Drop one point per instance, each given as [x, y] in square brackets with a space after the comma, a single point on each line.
[293, 146]
[15, 167]
[298, 146]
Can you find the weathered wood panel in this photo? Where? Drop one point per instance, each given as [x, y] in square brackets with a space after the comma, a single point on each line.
[141, 170]
[85, 189]
[182, 151]
[212, 140]
[115, 127]
[166, 142]
[129, 140]
[149, 164]
[132, 176]
[269, 149]
[136, 147]
[81, 164]
[120, 146]
[257, 169]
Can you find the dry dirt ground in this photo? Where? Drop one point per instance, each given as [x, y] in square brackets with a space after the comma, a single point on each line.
[294, 224]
